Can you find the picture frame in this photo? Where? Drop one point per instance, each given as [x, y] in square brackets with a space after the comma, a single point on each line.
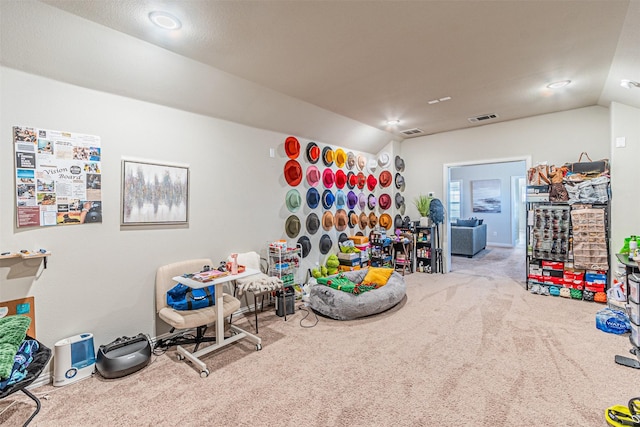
[486, 196]
[154, 193]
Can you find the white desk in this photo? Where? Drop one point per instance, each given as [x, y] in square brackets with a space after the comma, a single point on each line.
[221, 341]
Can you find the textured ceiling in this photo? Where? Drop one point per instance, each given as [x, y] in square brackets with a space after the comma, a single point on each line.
[372, 61]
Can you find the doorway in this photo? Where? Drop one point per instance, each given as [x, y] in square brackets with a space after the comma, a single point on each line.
[506, 217]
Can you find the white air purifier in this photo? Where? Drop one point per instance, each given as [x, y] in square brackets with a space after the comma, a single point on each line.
[74, 359]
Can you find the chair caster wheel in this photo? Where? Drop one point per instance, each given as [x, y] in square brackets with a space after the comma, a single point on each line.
[258, 347]
[204, 374]
[180, 356]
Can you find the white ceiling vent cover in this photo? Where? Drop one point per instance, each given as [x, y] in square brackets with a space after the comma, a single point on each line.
[482, 118]
[412, 132]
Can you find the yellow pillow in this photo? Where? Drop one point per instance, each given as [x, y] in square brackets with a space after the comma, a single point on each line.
[377, 276]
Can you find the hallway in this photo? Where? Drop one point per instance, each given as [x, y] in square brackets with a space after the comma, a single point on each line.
[494, 261]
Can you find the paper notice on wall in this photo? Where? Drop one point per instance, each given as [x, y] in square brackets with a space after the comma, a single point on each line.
[58, 177]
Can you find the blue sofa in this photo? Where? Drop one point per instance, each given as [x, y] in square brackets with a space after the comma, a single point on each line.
[468, 240]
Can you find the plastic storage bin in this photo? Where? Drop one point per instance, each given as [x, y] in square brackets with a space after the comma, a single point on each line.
[634, 287]
[633, 308]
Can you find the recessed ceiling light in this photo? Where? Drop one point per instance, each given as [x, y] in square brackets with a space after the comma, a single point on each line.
[393, 122]
[629, 84]
[433, 101]
[446, 98]
[559, 84]
[165, 20]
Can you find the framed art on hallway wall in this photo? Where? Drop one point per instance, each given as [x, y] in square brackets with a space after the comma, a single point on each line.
[485, 196]
[154, 193]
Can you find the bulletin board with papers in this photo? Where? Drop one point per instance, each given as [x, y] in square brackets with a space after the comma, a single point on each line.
[58, 177]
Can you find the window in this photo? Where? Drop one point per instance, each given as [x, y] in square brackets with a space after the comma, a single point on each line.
[455, 199]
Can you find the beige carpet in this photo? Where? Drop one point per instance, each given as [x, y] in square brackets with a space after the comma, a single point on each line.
[469, 348]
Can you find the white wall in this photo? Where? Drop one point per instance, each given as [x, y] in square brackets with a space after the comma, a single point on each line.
[74, 75]
[557, 138]
[100, 277]
[625, 178]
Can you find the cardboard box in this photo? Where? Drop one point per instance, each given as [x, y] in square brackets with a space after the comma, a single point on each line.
[349, 257]
[359, 240]
[535, 278]
[553, 273]
[573, 278]
[535, 269]
[594, 287]
[552, 265]
[595, 278]
[548, 280]
[537, 189]
[540, 197]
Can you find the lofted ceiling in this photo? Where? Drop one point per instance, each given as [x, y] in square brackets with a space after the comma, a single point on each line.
[374, 61]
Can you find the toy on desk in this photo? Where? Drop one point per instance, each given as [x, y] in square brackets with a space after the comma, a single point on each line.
[234, 264]
[238, 269]
[208, 275]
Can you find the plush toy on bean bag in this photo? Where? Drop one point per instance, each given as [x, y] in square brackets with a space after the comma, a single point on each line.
[332, 264]
[342, 305]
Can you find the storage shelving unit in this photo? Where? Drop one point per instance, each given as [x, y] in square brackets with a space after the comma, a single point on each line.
[380, 250]
[555, 245]
[284, 263]
[425, 248]
[403, 255]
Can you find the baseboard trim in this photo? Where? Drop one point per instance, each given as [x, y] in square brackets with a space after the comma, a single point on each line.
[500, 245]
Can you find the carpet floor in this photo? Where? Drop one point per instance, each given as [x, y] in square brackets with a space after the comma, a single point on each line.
[467, 348]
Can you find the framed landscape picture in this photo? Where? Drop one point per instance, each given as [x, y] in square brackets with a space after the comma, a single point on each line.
[486, 196]
[154, 193]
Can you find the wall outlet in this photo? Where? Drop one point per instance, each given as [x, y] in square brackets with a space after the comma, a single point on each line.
[494, 234]
[272, 152]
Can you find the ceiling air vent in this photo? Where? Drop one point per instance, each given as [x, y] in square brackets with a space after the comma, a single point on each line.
[412, 132]
[482, 118]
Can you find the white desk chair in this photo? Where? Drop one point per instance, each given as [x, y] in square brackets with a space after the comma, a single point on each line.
[199, 319]
[258, 284]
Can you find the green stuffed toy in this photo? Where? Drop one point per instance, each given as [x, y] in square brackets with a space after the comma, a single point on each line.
[332, 264]
[319, 272]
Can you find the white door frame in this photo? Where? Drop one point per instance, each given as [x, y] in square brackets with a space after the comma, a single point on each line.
[446, 172]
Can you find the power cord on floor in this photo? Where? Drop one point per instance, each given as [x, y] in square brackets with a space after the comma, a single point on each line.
[162, 345]
[304, 308]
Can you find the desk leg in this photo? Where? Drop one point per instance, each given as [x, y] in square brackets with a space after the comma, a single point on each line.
[220, 339]
[244, 334]
[220, 319]
[194, 359]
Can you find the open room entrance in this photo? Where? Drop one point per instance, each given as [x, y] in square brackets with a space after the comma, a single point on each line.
[487, 214]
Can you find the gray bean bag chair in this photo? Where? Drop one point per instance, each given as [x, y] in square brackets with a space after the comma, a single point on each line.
[346, 306]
